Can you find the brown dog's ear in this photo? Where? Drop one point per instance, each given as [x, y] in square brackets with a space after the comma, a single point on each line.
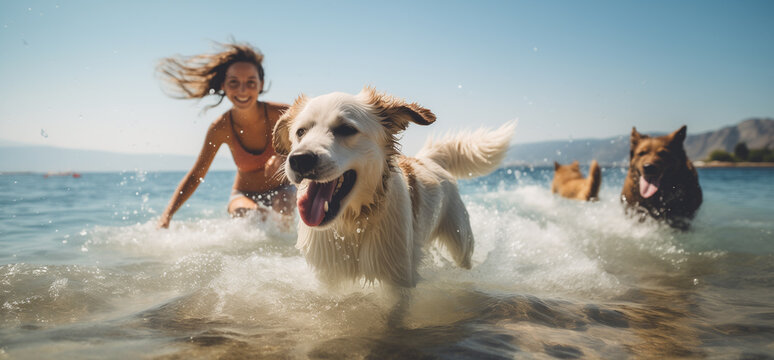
[396, 113]
[635, 138]
[556, 166]
[281, 136]
[678, 136]
[575, 164]
[633, 141]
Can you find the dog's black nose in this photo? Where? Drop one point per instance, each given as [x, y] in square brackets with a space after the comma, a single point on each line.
[304, 163]
[650, 169]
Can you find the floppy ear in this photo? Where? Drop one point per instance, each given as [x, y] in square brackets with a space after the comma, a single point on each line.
[556, 166]
[678, 136]
[281, 136]
[396, 113]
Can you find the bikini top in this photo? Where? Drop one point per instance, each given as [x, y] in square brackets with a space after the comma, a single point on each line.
[245, 160]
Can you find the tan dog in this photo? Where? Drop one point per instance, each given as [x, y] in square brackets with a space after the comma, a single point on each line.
[367, 211]
[662, 181]
[569, 182]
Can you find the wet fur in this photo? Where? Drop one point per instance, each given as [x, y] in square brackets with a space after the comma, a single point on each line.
[570, 183]
[399, 204]
[679, 195]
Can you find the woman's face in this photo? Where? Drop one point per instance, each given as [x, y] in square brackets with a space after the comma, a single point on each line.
[242, 84]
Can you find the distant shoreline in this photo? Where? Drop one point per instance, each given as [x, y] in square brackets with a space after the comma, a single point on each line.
[697, 164]
[729, 164]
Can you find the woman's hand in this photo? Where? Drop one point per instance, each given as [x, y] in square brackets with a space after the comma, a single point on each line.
[163, 222]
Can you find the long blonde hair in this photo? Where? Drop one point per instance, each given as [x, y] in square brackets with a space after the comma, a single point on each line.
[198, 76]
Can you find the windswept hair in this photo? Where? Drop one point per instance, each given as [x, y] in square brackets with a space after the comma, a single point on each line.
[195, 77]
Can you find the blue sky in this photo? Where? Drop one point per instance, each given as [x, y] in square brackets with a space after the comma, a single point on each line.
[80, 74]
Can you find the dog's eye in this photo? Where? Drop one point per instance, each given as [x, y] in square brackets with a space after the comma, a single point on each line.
[642, 153]
[300, 132]
[663, 153]
[344, 130]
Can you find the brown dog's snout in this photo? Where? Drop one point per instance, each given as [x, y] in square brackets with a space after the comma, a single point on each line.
[650, 169]
[303, 163]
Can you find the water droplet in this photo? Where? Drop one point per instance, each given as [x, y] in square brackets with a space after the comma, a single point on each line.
[359, 230]
[558, 153]
[459, 86]
[212, 91]
[43, 133]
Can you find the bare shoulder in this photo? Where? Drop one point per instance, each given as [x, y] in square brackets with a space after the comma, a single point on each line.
[276, 107]
[219, 128]
[273, 105]
[275, 110]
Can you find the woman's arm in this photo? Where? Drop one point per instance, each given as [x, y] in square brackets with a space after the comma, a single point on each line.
[191, 180]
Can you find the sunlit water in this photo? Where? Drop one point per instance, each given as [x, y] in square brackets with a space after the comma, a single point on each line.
[84, 273]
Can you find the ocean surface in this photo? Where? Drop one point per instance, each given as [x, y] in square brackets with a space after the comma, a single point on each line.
[85, 274]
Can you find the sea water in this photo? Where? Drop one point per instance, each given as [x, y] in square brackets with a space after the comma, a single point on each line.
[85, 273]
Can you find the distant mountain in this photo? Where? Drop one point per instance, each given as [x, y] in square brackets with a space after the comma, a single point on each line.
[53, 159]
[756, 133]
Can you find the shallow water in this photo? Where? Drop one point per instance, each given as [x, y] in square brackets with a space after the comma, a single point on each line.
[84, 273]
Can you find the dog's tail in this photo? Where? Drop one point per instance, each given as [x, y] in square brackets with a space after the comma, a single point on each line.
[469, 154]
[594, 179]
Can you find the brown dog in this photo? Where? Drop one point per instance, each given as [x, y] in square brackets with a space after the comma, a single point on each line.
[569, 182]
[662, 181]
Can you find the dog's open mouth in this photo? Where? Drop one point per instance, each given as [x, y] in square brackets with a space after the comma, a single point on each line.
[649, 185]
[321, 202]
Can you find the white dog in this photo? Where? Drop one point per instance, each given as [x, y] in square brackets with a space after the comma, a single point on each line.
[367, 211]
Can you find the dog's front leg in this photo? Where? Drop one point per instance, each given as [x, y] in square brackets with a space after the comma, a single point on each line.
[399, 310]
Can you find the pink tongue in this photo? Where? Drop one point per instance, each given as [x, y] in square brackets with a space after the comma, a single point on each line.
[311, 203]
[648, 189]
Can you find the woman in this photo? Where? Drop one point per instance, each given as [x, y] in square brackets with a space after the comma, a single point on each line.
[237, 74]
